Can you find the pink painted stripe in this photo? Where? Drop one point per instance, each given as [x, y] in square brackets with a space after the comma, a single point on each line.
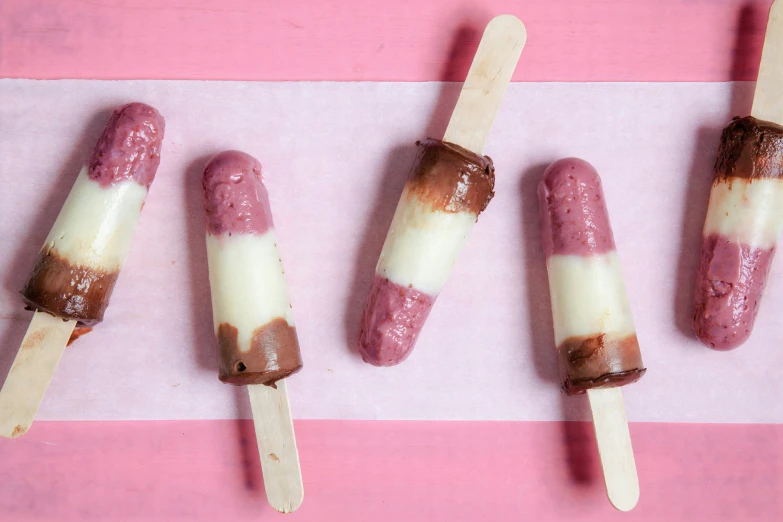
[387, 471]
[405, 40]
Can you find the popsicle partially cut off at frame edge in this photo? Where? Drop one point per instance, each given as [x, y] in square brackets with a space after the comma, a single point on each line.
[606, 404]
[47, 336]
[31, 372]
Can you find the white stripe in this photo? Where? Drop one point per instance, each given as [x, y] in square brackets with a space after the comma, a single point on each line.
[588, 296]
[247, 283]
[423, 244]
[96, 224]
[333, 197]
[746, 212]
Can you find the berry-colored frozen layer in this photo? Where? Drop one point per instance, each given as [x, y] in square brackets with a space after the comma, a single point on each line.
[729, 286]
[254, 324]
[129, 147]
[594, 331]
[573, 210]
[744, 221]
[82, 256]
[235, 198]
[447, 189]
[392, 321]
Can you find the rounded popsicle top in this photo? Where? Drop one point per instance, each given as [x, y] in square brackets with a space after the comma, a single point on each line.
[574, 219]
[235, 198]
[129, 148]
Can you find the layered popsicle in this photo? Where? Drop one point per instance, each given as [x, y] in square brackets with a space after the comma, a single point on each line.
[450, 184]
[743, 224]
[447, 188]
[78, 265]
[254, 322]
[82, 256]
[594, 331]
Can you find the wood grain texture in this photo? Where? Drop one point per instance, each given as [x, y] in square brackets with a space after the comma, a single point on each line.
[768, 98]
[37, 359]
[408, 40]
[276, 441]
[614, 447]
[485, 86]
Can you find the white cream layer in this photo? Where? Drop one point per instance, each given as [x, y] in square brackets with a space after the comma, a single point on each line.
[423, 244]
[588, 296]
[96, 224]
[746, 212]
[247, 283]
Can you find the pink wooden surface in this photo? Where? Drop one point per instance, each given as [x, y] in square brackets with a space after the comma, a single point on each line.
[358, 471]
[387, 471]
[404, 40]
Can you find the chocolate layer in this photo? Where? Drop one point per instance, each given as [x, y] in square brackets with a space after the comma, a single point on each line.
[729, 286]
[392, 320]
[129, 147]
[274, 354]
[69, 291]
[750, 148]
[599, 361]
[235, 198]
[452, 179]
[574, 218]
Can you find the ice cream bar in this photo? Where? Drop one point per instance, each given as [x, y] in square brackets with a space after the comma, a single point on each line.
[254, 323]
[743, 224]
[84, 252]
[447, 189]
[594, 331]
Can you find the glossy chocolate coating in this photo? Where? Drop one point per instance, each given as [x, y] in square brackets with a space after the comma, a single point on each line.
[599, 361]
[69, 291]
[451, 178]
[274, 354]
[750, 148]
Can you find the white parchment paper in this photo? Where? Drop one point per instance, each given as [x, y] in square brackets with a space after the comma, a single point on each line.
[335, 157]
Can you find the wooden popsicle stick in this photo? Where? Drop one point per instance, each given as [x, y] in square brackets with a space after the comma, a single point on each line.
[24, 388]
[470, 123]
[768, 98]
[614, 447]
[277, 446]
[494, 63]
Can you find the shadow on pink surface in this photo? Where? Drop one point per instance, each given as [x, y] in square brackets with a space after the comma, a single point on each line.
[751, 25]
[384, 471]
[591, 40]
[205, 347]
[248, 445]
[398, 163]
[52, 199]
[578, 444]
